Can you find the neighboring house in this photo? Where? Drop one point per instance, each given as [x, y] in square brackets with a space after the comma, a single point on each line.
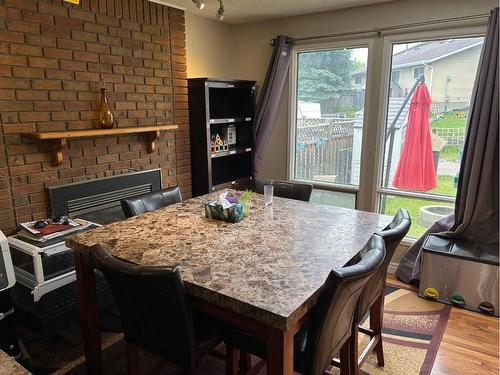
[358, 79]
[448, 66]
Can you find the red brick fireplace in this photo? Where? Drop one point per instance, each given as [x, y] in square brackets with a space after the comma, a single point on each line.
[53, 56]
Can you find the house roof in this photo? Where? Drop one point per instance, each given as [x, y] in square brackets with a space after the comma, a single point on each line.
[428, 52]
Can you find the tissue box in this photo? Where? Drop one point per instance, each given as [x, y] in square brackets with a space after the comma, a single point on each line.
[233, 214]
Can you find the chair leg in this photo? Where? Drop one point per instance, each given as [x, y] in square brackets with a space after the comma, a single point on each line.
[231, 360]
[376, 321]
[132, 359]
[346, 358]
[245, 361]
[354, 349]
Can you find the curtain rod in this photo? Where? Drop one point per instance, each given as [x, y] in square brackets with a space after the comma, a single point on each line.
[388, 28]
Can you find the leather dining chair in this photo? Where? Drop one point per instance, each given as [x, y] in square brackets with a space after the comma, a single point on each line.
[150, 201]
[285, 189]
[327, 332]
[155, 314]
[372, 297]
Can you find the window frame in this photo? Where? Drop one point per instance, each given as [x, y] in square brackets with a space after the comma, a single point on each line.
[388, 41]
[378, 74]
[292, 107]
[421, 70]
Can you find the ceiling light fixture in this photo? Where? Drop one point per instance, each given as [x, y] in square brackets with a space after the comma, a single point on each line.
[200, 4]
[221, 11]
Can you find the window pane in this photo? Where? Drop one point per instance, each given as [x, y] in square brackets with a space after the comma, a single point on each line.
[330, 101]
[423, 212]
[427, 114]
[334, 198]
[395, 76]
[417, 72]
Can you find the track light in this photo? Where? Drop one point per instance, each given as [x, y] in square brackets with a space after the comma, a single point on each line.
[200, 4]
[220, 12]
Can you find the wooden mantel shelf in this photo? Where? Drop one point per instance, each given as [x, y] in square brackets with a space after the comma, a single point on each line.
[59, 138]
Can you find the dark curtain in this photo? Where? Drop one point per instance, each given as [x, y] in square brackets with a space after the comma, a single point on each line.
[270, 95]
[476, 207]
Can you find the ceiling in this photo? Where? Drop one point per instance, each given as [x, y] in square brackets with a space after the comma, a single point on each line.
[241, 11]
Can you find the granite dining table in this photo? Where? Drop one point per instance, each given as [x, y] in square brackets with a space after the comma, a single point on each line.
[262, 274]
[9, 366]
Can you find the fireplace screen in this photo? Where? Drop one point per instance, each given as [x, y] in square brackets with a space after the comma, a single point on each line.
[99, 200]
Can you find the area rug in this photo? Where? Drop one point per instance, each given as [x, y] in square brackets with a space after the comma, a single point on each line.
[412, 333]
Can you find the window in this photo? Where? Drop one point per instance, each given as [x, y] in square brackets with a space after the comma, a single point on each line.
[334, 198]
[328, 121]
[417, 72]
[395, 75]
[424, 142]
[350, 151]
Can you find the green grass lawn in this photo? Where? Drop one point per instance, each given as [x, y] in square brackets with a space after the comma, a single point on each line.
[450, 120]
[450, 153]
[445, 187]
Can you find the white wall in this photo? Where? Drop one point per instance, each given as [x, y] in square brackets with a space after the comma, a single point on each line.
[209, 48]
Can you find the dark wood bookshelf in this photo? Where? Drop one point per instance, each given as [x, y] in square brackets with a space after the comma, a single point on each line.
[215, 104]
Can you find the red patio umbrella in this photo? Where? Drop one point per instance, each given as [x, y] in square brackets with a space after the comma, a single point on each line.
[415, 169]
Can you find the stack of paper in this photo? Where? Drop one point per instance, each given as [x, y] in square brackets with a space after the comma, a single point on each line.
[51, 231]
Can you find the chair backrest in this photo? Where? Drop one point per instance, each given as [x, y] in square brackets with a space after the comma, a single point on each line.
[285, 189]
[152, 305]
[332, 316]
[392, 236]
[150, 201]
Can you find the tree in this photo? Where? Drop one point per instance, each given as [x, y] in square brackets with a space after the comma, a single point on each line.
[324, 74]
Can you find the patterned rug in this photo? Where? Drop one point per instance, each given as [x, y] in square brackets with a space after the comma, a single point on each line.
[413, 329]
[412, 332]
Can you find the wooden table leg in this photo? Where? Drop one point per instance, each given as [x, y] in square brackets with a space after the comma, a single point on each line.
[279, 352]
[89, 316]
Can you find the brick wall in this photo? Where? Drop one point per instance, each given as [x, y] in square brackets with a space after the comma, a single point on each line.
[53, 56]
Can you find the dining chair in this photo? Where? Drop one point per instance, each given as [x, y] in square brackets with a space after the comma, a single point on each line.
[140, 204]
[327, 332]
[372, 298]
[285, 189]
[155, 314]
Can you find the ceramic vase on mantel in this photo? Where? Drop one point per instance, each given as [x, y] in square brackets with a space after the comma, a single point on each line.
[105, 118]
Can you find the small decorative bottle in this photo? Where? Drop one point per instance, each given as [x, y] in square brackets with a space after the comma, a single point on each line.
[105, 118]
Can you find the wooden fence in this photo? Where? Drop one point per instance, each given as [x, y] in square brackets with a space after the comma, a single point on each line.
[348, 99]
[327, 157]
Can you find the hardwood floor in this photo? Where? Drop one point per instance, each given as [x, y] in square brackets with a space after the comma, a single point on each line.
[470, 344]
